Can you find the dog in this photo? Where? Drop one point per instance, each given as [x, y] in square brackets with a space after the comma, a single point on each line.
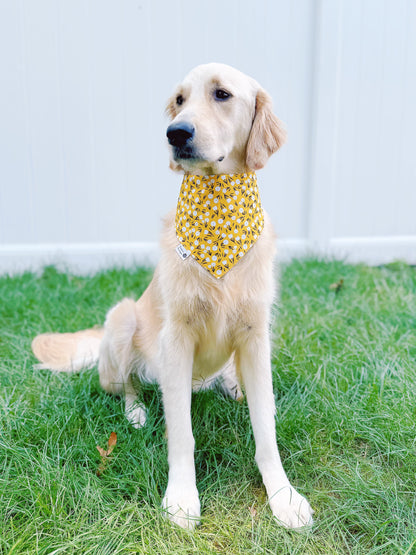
[205, 317]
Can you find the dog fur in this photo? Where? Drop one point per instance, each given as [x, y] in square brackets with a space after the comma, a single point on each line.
[189, 329]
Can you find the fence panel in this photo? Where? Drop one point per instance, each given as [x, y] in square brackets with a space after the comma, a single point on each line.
[83, 160]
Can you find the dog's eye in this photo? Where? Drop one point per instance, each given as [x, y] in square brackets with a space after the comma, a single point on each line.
[220, 94]
[179, 100]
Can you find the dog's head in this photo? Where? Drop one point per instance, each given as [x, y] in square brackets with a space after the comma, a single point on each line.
[222, 122]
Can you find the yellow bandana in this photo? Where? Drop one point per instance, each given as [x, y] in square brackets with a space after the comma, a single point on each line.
[218, 219]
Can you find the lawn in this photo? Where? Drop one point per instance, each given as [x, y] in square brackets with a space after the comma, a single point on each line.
[344, 363]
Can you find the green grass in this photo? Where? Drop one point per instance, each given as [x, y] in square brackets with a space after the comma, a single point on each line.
[344, 374]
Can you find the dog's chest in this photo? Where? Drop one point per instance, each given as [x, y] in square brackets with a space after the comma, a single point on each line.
[216, 329]
[214, 343]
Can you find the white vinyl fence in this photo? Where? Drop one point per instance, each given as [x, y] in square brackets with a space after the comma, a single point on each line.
[84, 178]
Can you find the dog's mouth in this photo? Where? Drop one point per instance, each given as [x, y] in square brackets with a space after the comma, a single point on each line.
[187, 152]
[181, 137]
[190, 154]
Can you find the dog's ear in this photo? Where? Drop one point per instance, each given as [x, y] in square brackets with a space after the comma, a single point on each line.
[267, 133]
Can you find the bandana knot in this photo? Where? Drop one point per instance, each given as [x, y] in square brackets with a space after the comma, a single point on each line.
[218, 219]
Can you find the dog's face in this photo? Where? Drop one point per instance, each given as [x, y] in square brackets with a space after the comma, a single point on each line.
[222, 122]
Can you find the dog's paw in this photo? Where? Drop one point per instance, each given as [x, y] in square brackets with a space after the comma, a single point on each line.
[182, 507]
[291, 509]
[136, 416]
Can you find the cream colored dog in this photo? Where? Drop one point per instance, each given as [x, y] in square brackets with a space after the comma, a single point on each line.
[189, 328]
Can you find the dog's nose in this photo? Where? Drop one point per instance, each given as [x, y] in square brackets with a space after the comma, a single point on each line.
[179, 134]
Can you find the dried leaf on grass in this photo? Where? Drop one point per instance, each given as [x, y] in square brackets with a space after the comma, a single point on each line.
[105, 453]
[337, 286]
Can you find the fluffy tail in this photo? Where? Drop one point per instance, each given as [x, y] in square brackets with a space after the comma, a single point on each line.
[67, 352]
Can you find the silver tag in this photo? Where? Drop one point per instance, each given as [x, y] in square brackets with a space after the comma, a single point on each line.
[182, 252]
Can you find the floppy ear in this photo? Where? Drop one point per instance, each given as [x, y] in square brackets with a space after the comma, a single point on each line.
[267, 133]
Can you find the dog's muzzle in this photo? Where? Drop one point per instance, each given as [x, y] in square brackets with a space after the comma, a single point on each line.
[180, 136]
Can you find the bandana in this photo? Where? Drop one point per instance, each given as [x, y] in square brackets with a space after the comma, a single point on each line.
[218, 219]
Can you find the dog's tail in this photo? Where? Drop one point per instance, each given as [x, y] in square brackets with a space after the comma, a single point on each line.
[68, 352]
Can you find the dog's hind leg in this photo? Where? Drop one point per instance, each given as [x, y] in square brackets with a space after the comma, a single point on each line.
[134, 410]
[118, 359]
[228, 380]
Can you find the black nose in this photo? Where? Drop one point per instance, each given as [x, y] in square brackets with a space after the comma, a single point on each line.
[180, 133]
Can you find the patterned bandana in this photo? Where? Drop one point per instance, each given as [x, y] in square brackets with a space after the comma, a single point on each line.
[218, 219]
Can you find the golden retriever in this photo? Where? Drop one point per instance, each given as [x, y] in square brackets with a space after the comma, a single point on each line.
[190, 328]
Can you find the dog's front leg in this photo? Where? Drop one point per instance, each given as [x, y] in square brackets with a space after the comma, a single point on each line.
[253, 360]
[181, 501]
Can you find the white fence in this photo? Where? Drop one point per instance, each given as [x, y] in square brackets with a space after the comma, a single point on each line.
[82, 130]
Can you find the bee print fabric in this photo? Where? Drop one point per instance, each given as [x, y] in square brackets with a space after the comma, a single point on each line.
[218, 219]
